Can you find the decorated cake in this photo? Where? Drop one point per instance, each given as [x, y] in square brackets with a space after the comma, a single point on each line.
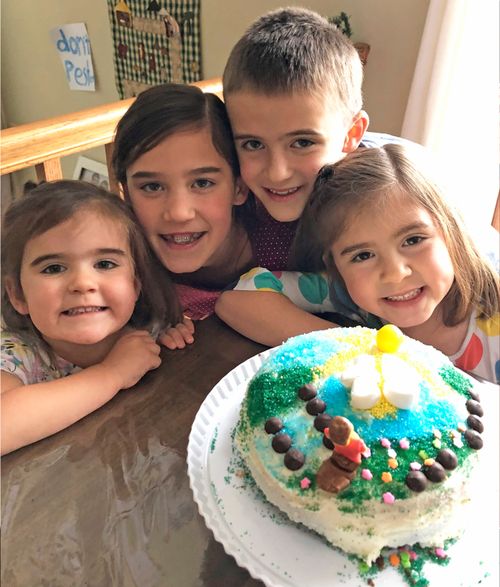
[367, 437]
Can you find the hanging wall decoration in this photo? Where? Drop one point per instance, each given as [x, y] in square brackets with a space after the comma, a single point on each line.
[155, 41]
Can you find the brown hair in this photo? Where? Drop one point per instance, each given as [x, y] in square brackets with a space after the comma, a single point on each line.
[370, 177]
[53, 203]
[296, 50]
[164, 110]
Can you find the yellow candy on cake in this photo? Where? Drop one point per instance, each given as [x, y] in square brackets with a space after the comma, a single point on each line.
[389, 338]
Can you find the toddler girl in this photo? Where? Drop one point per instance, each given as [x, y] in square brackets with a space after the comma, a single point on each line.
[81, 307]
[385, 232]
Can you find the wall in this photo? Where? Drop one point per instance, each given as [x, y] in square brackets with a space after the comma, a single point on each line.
[34, 85]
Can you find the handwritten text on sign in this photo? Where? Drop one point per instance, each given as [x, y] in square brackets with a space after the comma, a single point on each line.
[73, 45]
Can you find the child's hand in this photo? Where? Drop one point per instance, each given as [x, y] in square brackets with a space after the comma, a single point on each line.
[176, 337]
[133, 355]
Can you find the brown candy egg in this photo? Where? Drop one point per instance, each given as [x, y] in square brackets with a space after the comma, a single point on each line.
[294, 459]
[307, 392]
[281, 443]
[416, 481]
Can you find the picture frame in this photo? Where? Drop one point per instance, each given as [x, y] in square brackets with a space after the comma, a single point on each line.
[92, 171]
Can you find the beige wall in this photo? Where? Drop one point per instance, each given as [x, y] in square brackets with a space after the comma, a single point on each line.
[34, 86]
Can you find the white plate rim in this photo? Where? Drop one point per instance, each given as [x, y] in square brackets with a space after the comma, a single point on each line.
[196, 463]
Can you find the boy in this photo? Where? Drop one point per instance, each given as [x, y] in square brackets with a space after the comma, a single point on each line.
[292, 88]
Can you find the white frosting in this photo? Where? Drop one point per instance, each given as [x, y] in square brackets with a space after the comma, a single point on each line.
[429, 518]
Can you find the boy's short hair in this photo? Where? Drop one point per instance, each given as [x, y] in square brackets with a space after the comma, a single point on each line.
[295, 49]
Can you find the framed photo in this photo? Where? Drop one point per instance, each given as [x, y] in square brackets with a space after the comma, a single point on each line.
[91, 171]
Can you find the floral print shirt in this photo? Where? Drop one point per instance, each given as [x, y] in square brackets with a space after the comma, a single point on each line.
[31, 363]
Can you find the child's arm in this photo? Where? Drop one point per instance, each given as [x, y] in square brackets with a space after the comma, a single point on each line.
[266, 317]
[270, 307]
[32, 412]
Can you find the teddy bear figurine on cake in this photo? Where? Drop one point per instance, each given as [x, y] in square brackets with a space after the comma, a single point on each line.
[367, 437]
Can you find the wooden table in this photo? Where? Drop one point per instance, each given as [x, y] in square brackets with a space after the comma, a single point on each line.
[107, 502]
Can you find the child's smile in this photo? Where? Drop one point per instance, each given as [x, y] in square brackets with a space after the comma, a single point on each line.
[182, 239]
[395, 265]
[84, 310]
[411, 295]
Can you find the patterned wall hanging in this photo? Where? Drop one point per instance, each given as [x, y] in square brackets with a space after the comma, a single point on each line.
[155, 41]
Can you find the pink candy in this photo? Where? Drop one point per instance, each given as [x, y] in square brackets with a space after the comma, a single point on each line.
[415, 466]
[388, 498]
[404, 443]
[367, 474]
[305, 483]
[440, 553]
[385, 442]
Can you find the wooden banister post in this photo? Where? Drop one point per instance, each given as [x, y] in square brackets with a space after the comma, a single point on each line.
[49, 170]
[113, 183]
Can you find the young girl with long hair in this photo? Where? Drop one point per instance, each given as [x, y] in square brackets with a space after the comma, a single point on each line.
[380, 224]
[175, 160]
[82, 305]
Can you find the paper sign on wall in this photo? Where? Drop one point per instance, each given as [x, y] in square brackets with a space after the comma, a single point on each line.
[73, 45]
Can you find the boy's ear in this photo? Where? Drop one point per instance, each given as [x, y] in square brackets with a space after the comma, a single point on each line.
[16, 296]
[240, 193]
[356, 132]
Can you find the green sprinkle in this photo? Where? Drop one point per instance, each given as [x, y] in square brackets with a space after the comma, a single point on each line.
[455, 379]
[275, 392]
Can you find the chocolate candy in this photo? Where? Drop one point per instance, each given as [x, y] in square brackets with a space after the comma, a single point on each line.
[315, 406]
[473, 439]
[416, 481]
[294, 459]
[435, 473]
[475, 423]
[281, 443]
[447, 458]
[307, 392]
[327, 442]
[273, 425]
[332, 479]
[474, 407]
[321, 422]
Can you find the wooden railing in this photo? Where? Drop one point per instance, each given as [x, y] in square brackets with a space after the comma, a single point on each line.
[42, 144]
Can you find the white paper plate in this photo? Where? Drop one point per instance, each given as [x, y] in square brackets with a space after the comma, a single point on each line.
[282, 554]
